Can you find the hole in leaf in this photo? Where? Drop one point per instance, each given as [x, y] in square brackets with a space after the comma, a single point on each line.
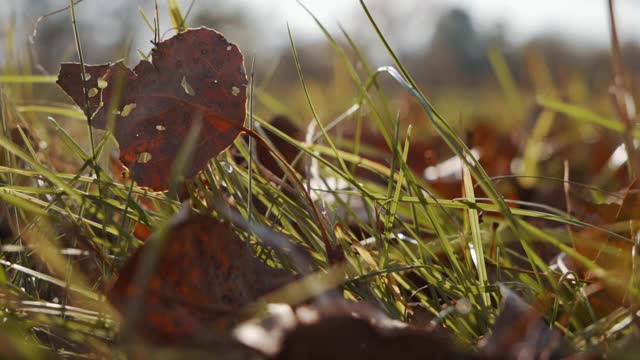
[127, 109]
[102, 83]
[187, 87]
[235, 91]
[161, 128]
[144, 157]
[92, 92]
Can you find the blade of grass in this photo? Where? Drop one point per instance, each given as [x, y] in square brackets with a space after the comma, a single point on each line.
[52, 110]
[506, 80]
[27, 79]
[533, 149]
[177, 20]
[41, 170]
[314, 113]
[478, 246]
[622, 97]
[580, 113]
[84, 291]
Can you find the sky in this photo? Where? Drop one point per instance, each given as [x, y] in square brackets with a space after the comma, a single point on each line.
[408, 23]
[583, 21]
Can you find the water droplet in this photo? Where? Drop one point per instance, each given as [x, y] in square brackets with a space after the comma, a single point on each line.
[227, 167]
[463, 306]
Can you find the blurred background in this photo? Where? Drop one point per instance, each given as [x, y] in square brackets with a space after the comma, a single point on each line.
[549, 46]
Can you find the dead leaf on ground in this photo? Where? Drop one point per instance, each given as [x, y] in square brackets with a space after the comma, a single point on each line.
[194, 76]
[520, 332]
[340, 329]
[204, 272]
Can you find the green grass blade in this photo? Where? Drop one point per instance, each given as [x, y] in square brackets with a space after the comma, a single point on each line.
[53, 178]
[507, 82]
[72, 113]
[27, 79]
[476, 236]
[582, 114]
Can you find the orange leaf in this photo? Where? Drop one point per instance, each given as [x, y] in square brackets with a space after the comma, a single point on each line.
[204, 272]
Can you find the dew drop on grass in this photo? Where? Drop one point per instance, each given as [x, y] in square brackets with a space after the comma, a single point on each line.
[463, 306]
[227, 167]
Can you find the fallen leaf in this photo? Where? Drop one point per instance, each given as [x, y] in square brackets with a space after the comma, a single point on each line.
[520, 332]
[194, 76]
[205, 271]
[340, 329]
